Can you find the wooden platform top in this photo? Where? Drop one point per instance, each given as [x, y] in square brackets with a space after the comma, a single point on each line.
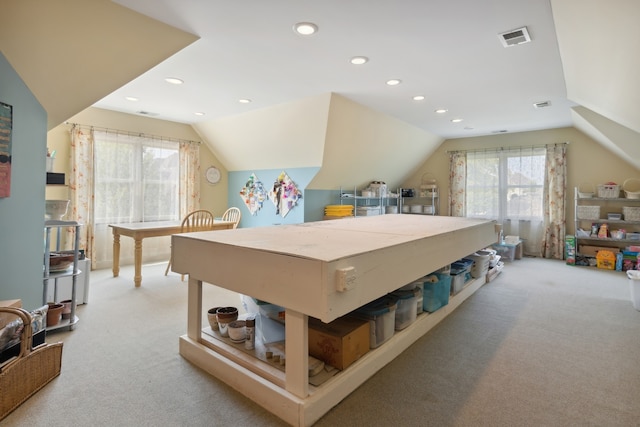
[337, 239]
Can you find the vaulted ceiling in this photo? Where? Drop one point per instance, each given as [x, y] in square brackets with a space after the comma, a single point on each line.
[581, 60]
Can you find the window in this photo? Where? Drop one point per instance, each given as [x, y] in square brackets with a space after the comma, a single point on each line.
[506, 184]
[136, 178]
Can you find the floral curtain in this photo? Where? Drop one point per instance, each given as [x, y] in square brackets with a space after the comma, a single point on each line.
[543, 237]
[555, 187]
[81, 187]
[457, 183]
[189, 177]
[96, 239]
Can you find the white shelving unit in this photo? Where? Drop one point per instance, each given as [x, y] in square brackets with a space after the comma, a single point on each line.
[373, 205]
[595, 210]
[51, 278]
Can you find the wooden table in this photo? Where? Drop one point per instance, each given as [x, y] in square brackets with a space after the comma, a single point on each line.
[141, 230]
[321, 269]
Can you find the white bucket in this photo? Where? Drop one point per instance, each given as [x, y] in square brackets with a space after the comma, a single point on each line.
[480, 263]
[634, 284]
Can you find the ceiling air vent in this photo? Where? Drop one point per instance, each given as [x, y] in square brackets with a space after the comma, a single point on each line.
[146, 113]
[542, 104]
[515, 37]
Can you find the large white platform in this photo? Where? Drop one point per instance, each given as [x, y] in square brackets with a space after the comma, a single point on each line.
[321, 269]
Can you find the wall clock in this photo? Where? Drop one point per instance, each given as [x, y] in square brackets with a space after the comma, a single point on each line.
[213, 175]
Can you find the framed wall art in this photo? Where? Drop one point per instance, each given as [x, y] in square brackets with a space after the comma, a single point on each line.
[6, 124]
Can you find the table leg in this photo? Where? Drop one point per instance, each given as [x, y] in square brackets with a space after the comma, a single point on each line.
[116, 253]
[137, 278]
[194, 309]
[297, 353]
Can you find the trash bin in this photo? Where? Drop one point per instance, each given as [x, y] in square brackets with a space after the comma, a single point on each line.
[634, 284]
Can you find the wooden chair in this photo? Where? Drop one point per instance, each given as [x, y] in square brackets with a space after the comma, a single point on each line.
[200, 220]
[232, 214]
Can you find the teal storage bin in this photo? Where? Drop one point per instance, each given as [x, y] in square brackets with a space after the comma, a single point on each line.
[436, 294]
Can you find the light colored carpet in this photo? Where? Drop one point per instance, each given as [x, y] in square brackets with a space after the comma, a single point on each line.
[545, 344]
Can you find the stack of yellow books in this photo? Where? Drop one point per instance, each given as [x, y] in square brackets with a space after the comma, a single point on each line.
[338, 211]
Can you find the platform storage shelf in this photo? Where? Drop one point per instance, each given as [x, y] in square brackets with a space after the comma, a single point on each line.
[324, 270]
[51, 277]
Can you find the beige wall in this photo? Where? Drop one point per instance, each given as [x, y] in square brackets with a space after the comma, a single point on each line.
[587, 161]
[363, 145]
[214, 197]
[289, 135]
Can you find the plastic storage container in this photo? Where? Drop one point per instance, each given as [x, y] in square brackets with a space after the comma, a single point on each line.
[460, 273]
[480, 263]
[634, 284]
[463, 264]
[435, 294]
[406, 308]
[381, 316]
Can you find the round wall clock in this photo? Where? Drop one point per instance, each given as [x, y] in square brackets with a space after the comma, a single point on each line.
[213, 174]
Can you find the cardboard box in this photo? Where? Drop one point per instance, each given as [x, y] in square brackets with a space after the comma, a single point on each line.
[6, 317]
[339, 343]
[592, 251]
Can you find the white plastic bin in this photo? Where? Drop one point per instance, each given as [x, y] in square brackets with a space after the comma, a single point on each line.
[634, 284]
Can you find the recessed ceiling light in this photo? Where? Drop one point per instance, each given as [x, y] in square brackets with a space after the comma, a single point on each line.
[456, 120]
[418, 98]
[393, 82]
[173, 81]
[244, 101]
[441, 110]
[359, 60]
[130, 98]
[199, 113]
[305, 28]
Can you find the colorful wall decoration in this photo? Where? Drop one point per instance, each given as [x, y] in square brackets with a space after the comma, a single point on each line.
[6, 124]
[284, 194]
[253, 194]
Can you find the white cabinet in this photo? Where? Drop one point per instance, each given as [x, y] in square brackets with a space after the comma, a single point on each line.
[52, 278]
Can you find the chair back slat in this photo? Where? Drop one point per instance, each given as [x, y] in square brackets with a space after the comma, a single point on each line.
[200, 220]
[232, 214]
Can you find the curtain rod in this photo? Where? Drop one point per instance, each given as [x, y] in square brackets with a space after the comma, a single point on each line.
[125, 132]
[508, 148]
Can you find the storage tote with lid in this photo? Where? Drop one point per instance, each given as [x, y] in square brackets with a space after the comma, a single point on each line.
[435, 292]
[381, 316]
[406, 308]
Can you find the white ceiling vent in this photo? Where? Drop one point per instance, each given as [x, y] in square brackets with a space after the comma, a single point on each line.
[146, 113]
[515, 37]
[542, 104]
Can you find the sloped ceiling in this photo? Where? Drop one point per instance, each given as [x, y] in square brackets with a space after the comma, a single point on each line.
[598, 44]
[72, 53]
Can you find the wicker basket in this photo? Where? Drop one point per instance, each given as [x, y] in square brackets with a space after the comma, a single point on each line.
[631, 213]
[586, 191]
[32, 369]
[631, 188]
[588, 212]
[609, 191]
